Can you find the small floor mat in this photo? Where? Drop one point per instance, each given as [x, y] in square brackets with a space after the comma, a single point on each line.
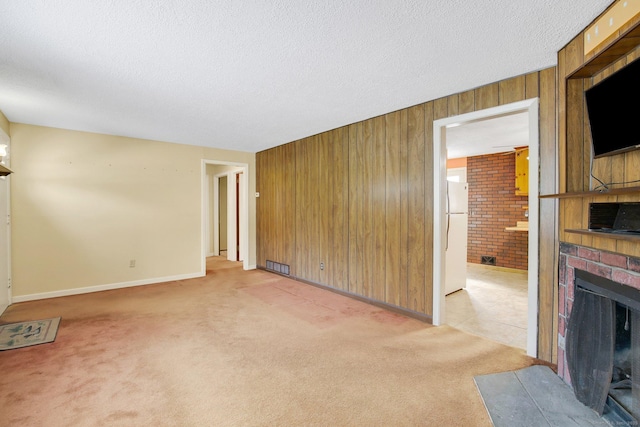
[24, 334]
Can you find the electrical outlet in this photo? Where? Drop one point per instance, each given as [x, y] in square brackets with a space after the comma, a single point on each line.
[132, 263]
[322, 266]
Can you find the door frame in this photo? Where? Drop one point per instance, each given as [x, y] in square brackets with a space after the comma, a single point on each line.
[239, 179]
[215, 233]
[6, 180]
[244, 209]
[530, 106]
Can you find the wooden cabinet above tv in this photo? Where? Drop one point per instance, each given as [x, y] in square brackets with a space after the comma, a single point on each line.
[618, 44]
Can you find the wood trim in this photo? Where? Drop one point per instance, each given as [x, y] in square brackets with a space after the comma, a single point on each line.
[610, 26]
[601, 235]
[544, 83]
[615, 50]
[582, 194]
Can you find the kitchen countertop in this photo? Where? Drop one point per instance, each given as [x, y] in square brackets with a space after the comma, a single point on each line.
[520, 226]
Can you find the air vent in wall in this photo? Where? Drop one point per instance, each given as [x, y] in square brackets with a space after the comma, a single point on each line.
[278, 267]
[488, 260]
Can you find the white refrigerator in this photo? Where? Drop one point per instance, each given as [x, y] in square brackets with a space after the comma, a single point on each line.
[456, 236]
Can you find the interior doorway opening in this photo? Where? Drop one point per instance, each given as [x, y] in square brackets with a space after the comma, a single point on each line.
[530, 108]
[221, 231]
[225, 187]
[5, 225]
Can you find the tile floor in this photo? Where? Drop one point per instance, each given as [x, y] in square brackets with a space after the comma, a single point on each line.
[493, 305]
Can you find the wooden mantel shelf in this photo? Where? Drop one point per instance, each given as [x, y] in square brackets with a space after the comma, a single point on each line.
[614, 236]
[579, 194]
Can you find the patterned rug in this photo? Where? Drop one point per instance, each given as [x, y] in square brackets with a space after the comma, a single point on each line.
[24, 334]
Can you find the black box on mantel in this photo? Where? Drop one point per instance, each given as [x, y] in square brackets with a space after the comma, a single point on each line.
[615, 217]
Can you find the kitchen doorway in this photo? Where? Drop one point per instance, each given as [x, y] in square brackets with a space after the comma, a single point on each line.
[530, 108]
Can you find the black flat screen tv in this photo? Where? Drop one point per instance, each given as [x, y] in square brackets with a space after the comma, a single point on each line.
[613, 107]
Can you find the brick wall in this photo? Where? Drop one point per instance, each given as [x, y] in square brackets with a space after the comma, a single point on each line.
[619, 268]
[493, 206]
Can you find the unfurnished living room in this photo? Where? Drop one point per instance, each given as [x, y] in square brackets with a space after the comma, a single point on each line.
[239, 213]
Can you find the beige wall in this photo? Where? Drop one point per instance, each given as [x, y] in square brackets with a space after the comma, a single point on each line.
[4, 123]
[86, 204]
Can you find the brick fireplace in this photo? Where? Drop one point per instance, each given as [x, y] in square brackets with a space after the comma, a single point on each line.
[574, 261]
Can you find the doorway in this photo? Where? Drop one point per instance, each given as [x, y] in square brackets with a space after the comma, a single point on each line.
[237, 224]
[5, 228]
[223, 215]
[236, 219]
[530, 107]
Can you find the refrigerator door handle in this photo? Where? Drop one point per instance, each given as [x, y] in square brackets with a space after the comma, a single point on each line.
[446, 244]
[447, 202]
[448, 213]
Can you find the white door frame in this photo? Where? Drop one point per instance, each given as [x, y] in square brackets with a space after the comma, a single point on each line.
[215, 233]
[244, 213]
[439, 197]
[6, 216]
[242, 233]
[232, 235]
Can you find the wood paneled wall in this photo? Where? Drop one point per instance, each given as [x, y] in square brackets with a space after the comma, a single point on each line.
[359, 199]
[574, 141]
[575, 144]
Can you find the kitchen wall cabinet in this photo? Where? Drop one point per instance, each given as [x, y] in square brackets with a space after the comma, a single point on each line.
[522, 172]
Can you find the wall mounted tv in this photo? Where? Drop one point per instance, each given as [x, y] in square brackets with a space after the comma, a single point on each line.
[613, 107]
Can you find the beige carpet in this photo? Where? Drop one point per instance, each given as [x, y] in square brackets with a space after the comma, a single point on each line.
[242, 348]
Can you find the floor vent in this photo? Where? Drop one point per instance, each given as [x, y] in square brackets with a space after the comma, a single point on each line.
[488, 260]
[278, 267]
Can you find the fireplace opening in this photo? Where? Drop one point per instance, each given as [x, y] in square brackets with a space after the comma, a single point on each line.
[622, 377]
[603, 347]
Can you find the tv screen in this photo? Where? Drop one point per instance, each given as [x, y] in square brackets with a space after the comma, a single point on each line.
[613, 107]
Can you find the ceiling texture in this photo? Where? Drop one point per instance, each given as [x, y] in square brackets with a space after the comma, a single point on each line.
[498, 134]
[250, 75]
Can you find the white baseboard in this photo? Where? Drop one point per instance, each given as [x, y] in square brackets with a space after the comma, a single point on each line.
[108, 287]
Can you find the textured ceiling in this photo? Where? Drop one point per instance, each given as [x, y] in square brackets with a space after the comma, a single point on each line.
[498, 134]
[249, 75]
